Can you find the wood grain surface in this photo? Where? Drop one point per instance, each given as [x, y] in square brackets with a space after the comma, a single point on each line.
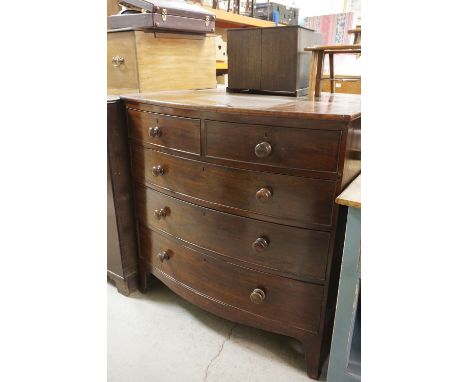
[337, 107]
[351, 196]
[237, 189]
[245, 65]
[177, 133]
[232, 285]
[123, 78]
[294, 252]
[290, 148]
[121, 230]
[171, 62]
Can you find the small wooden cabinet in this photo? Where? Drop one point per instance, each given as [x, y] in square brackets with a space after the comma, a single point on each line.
[234, 204]
[270, 59]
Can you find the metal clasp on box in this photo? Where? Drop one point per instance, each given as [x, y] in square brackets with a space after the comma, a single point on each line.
[164, 14]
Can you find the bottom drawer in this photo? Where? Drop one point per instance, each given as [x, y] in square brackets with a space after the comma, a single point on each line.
[287, 301]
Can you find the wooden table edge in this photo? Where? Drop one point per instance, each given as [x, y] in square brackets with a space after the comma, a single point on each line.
[351, 196]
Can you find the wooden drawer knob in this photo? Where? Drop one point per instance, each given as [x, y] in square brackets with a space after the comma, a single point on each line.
[263, 194]
[162, 213]
[157, 170]
[260, 244]
[164, 255]
[257, 296]
[154, 132]
[262, 150]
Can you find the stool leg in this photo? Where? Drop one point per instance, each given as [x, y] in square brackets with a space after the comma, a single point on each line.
[313, 66]
[332, 73]
[318, 79]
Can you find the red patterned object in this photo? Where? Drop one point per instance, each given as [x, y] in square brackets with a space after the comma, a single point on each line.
[334, 28]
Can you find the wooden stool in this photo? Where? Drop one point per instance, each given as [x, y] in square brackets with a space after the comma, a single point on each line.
[316, 65]
[357, 35]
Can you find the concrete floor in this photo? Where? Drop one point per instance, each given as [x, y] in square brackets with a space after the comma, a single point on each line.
[158, 336]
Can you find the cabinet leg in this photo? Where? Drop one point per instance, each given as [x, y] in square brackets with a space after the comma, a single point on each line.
[312, 357]
[145, 279]
[122, 286]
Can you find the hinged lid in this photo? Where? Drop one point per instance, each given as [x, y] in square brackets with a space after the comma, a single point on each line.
[173, 7]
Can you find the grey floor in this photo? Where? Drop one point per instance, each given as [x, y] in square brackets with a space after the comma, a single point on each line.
[158, 336]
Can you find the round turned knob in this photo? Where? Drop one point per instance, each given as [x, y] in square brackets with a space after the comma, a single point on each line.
[117, 61]
[164, 255]
[157, 170]
[263, 194]
[262, 150]
[257, 296]
[260, 244]
[154, 132]
[161, 214]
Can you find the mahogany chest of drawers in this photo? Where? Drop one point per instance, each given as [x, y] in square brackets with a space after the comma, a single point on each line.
[234, 202]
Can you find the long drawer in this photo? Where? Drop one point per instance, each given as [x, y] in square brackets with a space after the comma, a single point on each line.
[176, 133]
[295, 252]
[250, 291]
[297, 201]
[286, 147]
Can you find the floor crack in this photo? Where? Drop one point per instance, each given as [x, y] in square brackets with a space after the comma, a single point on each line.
[228, 337]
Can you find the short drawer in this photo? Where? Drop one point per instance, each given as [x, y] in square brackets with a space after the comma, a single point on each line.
[298, 201]
[294, 252]
[286, 147]
[254, 292]
[177, 133]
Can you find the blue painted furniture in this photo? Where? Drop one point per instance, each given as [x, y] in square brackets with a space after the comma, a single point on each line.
[345, 354]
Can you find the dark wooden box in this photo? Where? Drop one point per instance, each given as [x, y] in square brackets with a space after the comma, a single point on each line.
[270, 59]
[287, 15]
[163, 15]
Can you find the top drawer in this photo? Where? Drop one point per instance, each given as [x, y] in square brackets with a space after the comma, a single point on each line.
[307, 149]
[177, 133]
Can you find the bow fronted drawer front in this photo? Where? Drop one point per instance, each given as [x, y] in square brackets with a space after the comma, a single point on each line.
[176, 133]
[286, 147]
[253, 293]
[273, 197]
[294, 252]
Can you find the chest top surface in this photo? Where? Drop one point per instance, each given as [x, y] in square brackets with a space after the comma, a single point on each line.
[339, 107]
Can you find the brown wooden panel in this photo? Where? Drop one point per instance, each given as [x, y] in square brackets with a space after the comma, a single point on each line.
[302, 202]
[114, 261]
[295, 252]
[244, 69]
[175, 61]
[344, 85]
[328, 110]
[121, 230]
[279, 55]
[177, 133]
[233, 285]
[352, 157]
[291, 148]
[124, 77]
